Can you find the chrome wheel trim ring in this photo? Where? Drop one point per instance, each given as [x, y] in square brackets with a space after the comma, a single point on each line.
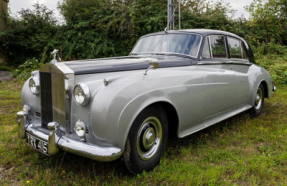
[258, 99]
[149, 138]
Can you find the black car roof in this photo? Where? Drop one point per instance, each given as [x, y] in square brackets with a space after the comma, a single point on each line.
[203, 32]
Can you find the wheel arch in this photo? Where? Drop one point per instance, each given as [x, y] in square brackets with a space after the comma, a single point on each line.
[265, 86]
[167, 106]
[256, 86]
[172, 117]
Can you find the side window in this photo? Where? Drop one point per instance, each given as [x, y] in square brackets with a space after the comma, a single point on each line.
[206, 50]
[234, 48]
[243, 49]
[217, 44]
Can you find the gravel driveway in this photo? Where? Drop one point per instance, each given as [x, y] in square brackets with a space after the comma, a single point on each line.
[4, 75]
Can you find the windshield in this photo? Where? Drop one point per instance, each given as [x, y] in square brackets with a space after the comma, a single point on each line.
[169, 43]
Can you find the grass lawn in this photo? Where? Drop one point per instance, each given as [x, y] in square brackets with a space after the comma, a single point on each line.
[238, 151]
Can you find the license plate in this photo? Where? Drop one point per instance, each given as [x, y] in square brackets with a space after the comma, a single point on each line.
[37, 143]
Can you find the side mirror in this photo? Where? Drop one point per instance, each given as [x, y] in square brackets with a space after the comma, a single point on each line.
[152, 64]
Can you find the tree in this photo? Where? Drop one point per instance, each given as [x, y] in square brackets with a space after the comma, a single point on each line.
[267, 21]
[28, 34]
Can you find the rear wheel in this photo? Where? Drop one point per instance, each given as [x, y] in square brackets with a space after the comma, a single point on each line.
[146, 140]
[259, 101]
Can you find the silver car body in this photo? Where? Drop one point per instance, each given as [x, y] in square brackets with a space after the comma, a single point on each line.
[198, 94]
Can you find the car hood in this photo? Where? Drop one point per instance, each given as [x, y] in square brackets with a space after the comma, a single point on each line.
[125, 63]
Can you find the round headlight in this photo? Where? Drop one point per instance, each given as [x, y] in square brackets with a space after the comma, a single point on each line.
[81, 94]
[34, 85]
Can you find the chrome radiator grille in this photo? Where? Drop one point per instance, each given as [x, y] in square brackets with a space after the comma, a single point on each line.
[46, 99]
[56, 84]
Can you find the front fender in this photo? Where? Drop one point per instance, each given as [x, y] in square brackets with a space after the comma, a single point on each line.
[133, 109]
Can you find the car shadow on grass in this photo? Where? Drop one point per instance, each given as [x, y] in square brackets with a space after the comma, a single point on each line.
[73, 164]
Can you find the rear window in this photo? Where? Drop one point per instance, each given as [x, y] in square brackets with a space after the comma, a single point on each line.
[234, 48]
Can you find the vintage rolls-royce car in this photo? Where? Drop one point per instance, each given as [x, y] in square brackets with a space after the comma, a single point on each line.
[172, 83]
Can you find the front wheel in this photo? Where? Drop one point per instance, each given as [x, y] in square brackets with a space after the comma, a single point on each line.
[259, 101]
[146, 140]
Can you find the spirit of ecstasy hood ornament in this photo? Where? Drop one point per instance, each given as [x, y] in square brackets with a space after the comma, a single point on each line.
[55, 54]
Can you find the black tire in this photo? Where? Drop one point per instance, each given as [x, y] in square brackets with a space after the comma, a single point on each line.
[136, 157]
[259, 101]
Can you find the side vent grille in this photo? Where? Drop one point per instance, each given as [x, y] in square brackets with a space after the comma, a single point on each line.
[46, 99]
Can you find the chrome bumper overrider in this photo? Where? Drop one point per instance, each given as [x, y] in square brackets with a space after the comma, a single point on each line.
[56, 141]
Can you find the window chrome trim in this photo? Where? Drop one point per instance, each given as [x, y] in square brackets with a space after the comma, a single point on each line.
[209, 49]
[240, 43]
[244, 48]
[199, 45]
[211, 54]
[168, 53]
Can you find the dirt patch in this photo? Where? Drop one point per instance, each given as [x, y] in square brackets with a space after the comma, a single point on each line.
[5, 75]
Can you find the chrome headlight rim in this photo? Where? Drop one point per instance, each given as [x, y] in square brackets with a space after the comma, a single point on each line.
[36, 85]
[86, 93]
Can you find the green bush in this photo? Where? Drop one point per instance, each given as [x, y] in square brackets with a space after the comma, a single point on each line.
[24, 70]
[276, 65]
[5, 68]
[103, 28]
[28, 35]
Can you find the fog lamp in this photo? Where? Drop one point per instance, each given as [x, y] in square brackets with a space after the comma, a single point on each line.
[80, 129]
[26, 109]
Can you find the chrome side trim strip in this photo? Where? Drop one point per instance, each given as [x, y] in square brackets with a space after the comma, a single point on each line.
[225, 63]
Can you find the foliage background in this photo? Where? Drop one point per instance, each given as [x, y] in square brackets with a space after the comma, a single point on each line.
[105, 28]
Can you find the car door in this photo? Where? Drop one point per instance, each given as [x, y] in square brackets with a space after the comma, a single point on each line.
[220, 80]
[240, 64]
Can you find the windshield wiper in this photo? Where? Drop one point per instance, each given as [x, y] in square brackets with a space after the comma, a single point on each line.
[151, 53]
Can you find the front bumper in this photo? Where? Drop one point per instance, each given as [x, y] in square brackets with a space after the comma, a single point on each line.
[57, 141]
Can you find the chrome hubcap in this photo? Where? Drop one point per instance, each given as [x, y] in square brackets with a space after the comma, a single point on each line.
[149, 138]
[258, 100]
